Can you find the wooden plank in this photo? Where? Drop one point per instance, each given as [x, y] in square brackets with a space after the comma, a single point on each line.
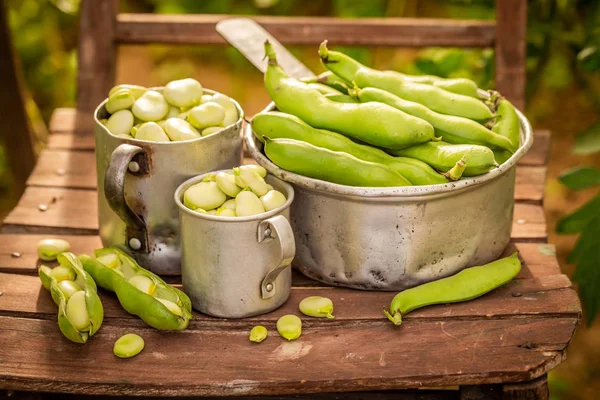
[208, 361]
[538, 153]
[69, 141]
[71, 120]
[200, 29]
[511, 31]
[23, 296]
[67, 169]
[529, 183]
[74, 211]
[96, 52]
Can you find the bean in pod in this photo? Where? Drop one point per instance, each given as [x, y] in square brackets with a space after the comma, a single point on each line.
[332, 166]
[374, 123]
[316, 306]
[433, 97]
[139, 291]
[466, 285]
[443, 156]
[49, 249]
[80, 311]
[330, 79]
[278, 125]
[452, 129]
[289, 327]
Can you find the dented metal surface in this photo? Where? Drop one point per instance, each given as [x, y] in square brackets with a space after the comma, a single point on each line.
[396, 238]
[148, 192]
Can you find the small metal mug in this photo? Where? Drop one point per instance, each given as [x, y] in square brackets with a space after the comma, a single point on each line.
[136, 181]
[236, 267]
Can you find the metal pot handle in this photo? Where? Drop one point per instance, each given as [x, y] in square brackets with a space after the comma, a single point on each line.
[276, 227]
[126, 159]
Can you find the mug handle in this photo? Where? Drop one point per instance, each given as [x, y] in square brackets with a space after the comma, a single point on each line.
[277, 227]
[126, 158]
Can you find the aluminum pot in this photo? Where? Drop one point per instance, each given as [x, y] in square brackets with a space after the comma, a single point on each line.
[237, 267]
[136, 182]
[396, 238]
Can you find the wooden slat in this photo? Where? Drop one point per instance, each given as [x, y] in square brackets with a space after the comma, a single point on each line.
[529, 183]
[538, 153]
[71, 120]
[200, 29]
[72, 211]
[222, 361]
[66, 169]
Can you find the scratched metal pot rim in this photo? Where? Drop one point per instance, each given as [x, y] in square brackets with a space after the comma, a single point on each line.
[176, 142]
[418, 193]
[257, 217]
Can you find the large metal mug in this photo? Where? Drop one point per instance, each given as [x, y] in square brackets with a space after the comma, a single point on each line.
[236, 267]
[136, 182]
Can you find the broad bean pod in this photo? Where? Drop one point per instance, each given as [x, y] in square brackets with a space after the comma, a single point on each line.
[332, 166]
[443, 156]
[433, 97]
[507, 122]
[278, 125]
[468, 284]
[85, 310]
[373, 123]
[165, 308]
[452, 129]
[330, 79]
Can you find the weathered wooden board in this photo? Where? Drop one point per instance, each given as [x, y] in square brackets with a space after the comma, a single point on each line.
[538, 153]
[209, 361]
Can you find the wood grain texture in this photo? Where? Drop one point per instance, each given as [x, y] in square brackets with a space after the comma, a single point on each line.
[96, 53]
[67, 169]
[538, 153]
[223, 361]
[529, 183]
[200, 29]
[511, 31]
[71, 120]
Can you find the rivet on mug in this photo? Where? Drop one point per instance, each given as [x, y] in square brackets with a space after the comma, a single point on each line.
[135, 243]
[134, 166]
[269, 287]
[268, 232]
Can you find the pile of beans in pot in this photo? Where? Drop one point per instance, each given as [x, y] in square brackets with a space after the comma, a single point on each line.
[181, 111]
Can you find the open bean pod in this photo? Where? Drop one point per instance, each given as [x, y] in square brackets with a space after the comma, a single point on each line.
[139, 291]
[80, 311]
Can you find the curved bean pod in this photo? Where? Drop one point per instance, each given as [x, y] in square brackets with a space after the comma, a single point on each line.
[430, 96]
[278, 125]
[330, 79]
[373, 123]
[468, 284]
[507, 122]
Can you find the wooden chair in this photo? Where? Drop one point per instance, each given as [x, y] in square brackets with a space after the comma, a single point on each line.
[499, 346]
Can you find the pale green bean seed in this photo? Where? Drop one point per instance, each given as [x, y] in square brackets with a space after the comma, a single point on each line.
[211, 130]
[256, 168]
[143, 283]
[270, 187]
[77, 311]
[200, 210]
[225, 212]
[152, 132]
[251, 179]
[226, 183]
[136, 90]
[174, 308]
[134, 129]
[151, 106]
[205, 98]
[119, 100]
[272, 199]
[205, 115]
[48, 249]
[173, 112]
[231, 113]
[128, 346]
[69, 288]
[229, 204]
[62, 273]
[120, 123]
[206, 195]
[289, 327]
[247, 203]
[258, 334]
[111, 260]
[183, 92]
[103, 121]
[316, 306]
[178, 129]
[212, 212]
[184, 115]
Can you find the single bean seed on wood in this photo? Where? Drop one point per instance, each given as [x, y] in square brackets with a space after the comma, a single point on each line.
[316, 306]
[289, 327]
[128, 346]
[258, 334]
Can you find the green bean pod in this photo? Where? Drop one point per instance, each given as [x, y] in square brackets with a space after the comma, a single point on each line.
[507, 122]
[324, 89]
[331, 166]
[452, 129]
[443, 156]
[164, 308]
[468, 284]
[88, 313]
[430, 96]
[341, 98]
[278, 125]
[373, 123]
[462, 86]
[330, 79]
